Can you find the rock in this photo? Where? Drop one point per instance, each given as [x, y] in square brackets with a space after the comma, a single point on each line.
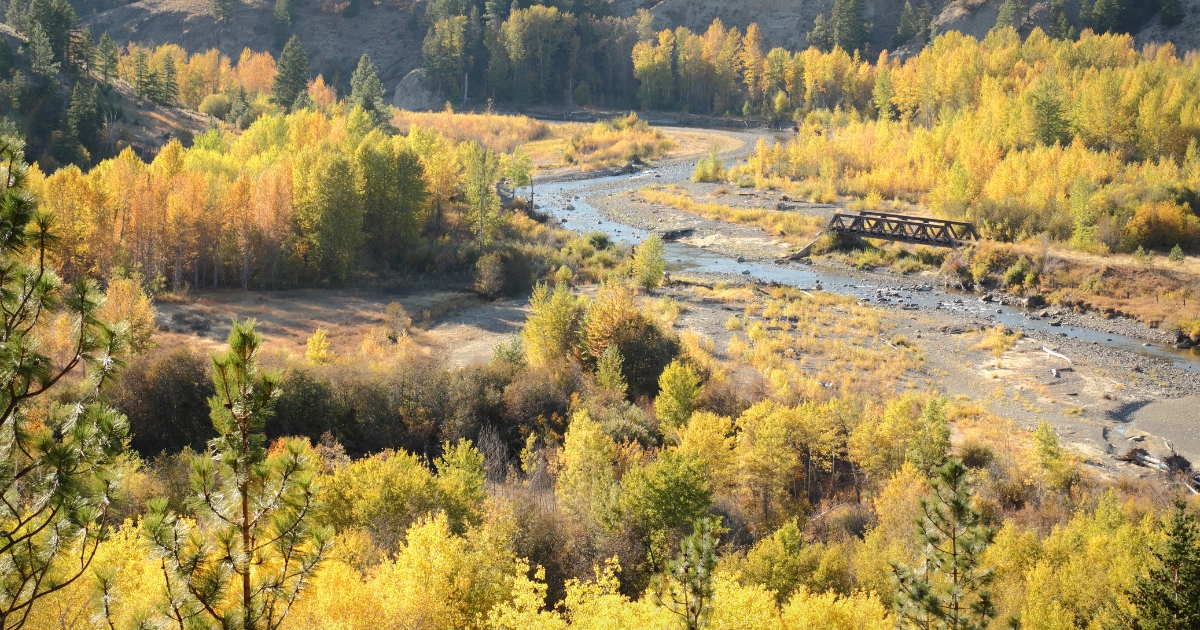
[413, 95]
[746, 272]
[1044, 313]
[1056, 323]
[741, 260]
[782, 206]
[987, 297]
[1033, 301]
[675, 234]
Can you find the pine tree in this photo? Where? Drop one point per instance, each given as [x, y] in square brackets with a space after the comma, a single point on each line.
[83, 118]
[908, 24]
[1060, 28]
[85, 51]
[1050, 115]
[168, 88]
[1170, 12]
[252, 547]
[1007, 17]
[821, 35]
[949, 589]
[281, 21]
[1169, 597]
[608, 370]
[15, 16]
[686, 588]
[925, 22]
[107, 52]
[141, 73]
[291, 76]
[41, 54]
[366, 91]
[61, 462]
[849, 26]
[223, 10]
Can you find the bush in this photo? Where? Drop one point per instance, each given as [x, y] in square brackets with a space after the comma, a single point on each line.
[540, 397]
[216, 105]
[502, 272]
[165, 396]
[710, 168]
[648, 263]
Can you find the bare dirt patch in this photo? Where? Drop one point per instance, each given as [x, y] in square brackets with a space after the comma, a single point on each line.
[459, 325]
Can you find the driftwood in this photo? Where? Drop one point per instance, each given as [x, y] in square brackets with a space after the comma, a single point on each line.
[1057, 354]
[1190, 478]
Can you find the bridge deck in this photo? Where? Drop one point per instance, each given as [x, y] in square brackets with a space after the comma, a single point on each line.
[905, 228]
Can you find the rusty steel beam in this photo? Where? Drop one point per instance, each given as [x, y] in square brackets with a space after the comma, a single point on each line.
[905, 228]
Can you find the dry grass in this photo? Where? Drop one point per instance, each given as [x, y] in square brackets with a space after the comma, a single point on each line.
[998, 340]
[498, 132]
[820, 346]
[1158, 294]
[789, 225]
[613, 142]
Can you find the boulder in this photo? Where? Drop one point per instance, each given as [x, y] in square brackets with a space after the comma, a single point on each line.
[414, 95]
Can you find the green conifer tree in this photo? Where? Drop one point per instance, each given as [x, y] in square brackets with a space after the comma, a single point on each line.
[1007, 17]
[41, 54]
[1170, 12]
[60, 460]
[108, 57]
[291, 75]
[223, 10]
[141, 73]
[168, 88]
[608, 370]
[1169, 596]
[908, 24]
[245, 559]
[849, 24]
[366, 90]
[15, 16]
[948, 590]
[821, 35]
[1060, 28]
[83, 119]
[281, 21]
[85, 51]
[686, 588]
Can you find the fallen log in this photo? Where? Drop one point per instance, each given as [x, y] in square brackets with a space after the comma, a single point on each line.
[1057, 354]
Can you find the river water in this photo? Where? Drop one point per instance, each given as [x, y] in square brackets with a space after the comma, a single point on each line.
[564, 201]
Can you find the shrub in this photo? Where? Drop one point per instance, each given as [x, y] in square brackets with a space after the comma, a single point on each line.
[165, 396]
[489, 275]
[541, 396]
[502, 272]
[216, 105]
[648, 263]
[1176, 255]
[710, 168]
[678, 393]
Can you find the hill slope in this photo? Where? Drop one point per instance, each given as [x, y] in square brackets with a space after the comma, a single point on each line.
[333, 43]
[393, 41]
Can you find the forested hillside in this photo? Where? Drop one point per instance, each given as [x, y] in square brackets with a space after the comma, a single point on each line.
[643, 442]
